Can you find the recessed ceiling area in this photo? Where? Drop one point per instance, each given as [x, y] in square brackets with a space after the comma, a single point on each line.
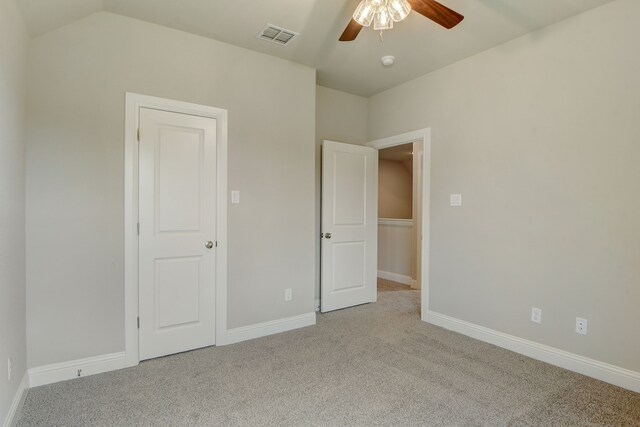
[419, 45]
[398, 153]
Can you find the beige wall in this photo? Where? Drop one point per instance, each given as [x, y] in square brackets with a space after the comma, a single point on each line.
[395, 190]
[540, 136]
[340, 117]
[13, 61]
[395, 251]
[78, 76]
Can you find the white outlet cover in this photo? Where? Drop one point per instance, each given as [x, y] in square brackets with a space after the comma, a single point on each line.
[455, 200]
[581, 326]
[536, 315]
[235, 196]
[288, 294]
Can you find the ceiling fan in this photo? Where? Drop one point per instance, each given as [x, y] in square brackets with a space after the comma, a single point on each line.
[384, 12]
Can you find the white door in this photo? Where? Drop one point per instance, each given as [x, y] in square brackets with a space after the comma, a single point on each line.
[177, 226]
[349, 225]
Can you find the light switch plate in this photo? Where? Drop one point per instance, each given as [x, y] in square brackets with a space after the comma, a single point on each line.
[235, 196]
[456, 200]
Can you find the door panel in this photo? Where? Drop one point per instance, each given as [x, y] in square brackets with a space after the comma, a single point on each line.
[179, 171]
[349, 189]
[349, 267]
[349, 221]
[177, 283]
[177, 218]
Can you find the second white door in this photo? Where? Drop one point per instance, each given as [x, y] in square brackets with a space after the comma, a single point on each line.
[177, 181]
[349, 225]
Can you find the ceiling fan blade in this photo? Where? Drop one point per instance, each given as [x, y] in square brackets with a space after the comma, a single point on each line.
[351, 32]
[436, 12]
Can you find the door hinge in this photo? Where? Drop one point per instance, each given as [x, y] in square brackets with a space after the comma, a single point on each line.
[138, 322]
[138, 135]
[138, 228]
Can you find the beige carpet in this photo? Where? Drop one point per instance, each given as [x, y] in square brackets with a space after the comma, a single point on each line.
[376, 364]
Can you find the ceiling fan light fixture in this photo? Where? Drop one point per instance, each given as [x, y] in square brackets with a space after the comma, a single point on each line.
[364, 13]
[383, 13]
[399, 9]
[382, 20]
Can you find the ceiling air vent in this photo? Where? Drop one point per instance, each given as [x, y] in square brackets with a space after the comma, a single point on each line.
[277, 35]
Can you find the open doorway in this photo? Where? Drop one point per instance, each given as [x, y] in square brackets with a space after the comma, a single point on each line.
[397, 205]
[399, 176]
[349, 226]
[403, 230]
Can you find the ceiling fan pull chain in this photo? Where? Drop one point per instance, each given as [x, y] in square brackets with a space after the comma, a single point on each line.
[381, 38]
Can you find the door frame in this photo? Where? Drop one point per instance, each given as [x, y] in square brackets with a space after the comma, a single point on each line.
[133, 103]
[423, 135]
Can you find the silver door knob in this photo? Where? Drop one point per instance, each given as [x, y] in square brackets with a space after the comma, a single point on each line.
[209, 244]
[327, 235]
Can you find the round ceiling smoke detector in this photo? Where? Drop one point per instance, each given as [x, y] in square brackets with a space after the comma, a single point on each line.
[388, 60]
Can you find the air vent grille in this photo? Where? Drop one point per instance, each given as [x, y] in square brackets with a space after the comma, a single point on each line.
[277, 35]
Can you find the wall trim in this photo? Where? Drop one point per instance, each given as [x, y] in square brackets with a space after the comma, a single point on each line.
[133, 103]
[396, 222]
[18, 400]
[404, 138]
[258, 330]
[63, 371]
[612, 374]
[400, 278]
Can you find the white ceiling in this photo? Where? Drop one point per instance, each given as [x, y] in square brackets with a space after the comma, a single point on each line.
[419, 45]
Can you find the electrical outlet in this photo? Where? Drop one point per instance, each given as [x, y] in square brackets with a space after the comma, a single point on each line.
[581, 326]
[9, 369]
[288, 295]
[536, 315]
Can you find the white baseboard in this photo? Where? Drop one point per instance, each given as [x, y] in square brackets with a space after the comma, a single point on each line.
[387, 275]
[69, 370]
[110, 362]
[612, 374]
[14, 410]
[258, 330]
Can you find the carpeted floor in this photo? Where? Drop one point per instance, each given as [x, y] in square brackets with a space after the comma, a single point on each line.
[375, 364]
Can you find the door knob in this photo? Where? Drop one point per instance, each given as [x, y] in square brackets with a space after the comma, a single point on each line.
[327, 235]
[209, 244]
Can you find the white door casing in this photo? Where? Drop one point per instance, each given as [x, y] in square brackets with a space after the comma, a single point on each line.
[418, 160]
[177, 196]
[349, 225]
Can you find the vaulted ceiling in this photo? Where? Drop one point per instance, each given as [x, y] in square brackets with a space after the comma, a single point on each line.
[419, 45]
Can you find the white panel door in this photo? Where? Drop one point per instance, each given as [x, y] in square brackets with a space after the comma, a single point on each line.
[177, 226]
[349, 225]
